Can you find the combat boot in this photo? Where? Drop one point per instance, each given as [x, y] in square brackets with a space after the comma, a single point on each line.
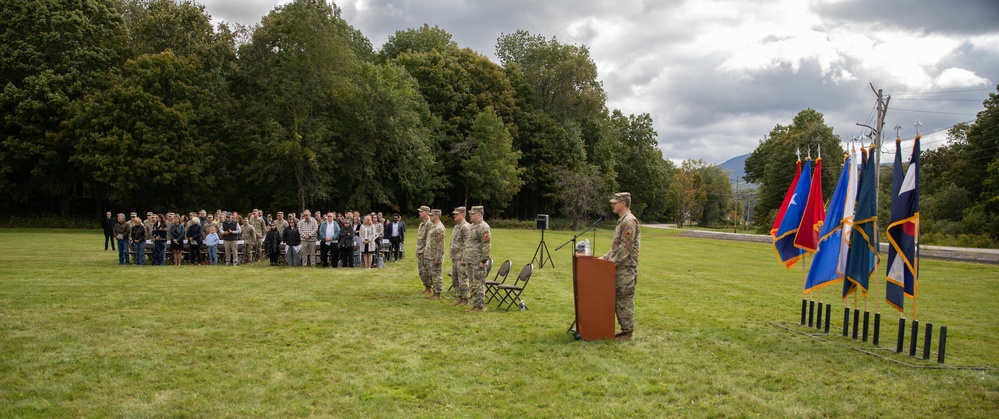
[623, 336]
[436, 296]
[475, 310]
[427, 291]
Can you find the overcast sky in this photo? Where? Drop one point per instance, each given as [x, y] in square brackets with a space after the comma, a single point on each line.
[716, 76]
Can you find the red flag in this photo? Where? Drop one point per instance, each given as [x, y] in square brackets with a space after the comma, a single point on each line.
[787, 200]
[815, 212]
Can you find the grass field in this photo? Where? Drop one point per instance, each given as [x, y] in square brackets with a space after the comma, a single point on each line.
[81, 336]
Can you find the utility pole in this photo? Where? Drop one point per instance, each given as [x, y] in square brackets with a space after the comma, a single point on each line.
[735, 214]
[877, 142]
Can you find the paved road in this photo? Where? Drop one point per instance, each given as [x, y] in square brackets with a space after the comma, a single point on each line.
[932, 252]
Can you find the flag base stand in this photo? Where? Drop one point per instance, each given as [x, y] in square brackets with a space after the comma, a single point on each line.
[880, 352]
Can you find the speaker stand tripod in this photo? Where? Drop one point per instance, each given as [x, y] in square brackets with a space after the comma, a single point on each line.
[542, 251]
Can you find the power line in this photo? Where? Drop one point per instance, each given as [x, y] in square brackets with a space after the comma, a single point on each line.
[938, 112]
[945, 92]
[945, 100]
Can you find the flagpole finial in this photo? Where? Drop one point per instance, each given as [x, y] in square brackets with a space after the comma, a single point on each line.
[917, 125]
[898, 128]
[820, 151]
[798, 151]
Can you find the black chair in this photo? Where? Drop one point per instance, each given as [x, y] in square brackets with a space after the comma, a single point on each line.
[511, 293]
[503, 272]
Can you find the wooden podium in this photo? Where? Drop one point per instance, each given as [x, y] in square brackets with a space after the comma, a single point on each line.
[593, 285]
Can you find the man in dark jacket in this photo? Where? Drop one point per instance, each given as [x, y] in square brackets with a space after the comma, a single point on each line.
[107, 223]
[396, 232]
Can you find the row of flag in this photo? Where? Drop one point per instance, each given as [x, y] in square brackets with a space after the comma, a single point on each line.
[843, 236]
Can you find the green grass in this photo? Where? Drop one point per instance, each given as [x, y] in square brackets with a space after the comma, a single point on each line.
[81, 336]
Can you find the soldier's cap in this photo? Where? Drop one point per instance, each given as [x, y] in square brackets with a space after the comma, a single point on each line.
[423, 208]
[149, 213]
[459, 210]
[436, 212]
[476, 210]
[620, 196]
[133, 215]
[280, 212]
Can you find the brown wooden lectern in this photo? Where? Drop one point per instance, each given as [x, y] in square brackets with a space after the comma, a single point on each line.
[593, 283]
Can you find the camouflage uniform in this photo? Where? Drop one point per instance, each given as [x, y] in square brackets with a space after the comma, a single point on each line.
[421, 244]
[624, 254]
[281, 224]
[249, 236]
[433, 254]
[459, 274]
[477, 250]
[260, 226]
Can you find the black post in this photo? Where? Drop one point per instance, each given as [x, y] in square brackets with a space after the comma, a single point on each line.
[901, 335]
[828, 316]
[943, 344]
[867, 319]
[927, 340]
[877, 329]
[856, 322]
[914, 338]
[818, 318]
[811, 312]
[846, 321]
[804, 307]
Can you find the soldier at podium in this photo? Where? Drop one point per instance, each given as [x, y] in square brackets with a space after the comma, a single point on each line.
[624, 254]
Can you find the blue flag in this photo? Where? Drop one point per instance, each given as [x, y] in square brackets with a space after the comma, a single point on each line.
[824, 270]
[861, 259]
[784, 238]
[903, 230]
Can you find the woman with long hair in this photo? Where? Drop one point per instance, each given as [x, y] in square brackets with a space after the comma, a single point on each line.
[368, 244]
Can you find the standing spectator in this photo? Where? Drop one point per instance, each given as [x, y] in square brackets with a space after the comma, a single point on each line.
[139, 241]
[249, 236]
[212, 243]
[293, 244]
[194, 240]
[368, 245]
[122, 231]
[177, 240]
[230, 234]
[379, 224]
[107, 224]
[160, 232]
[346, 243]
[258, 224]
[328, 232]
[308, 227]
[148, 224]
[434, 253]
[272, 244]
[397, 236]
[281, 222]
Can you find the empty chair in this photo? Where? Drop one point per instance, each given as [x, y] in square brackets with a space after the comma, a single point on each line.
[503, 272]
[510, 294]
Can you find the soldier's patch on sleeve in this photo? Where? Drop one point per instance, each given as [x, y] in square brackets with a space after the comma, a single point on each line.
[628, 233]
[442, 235]
[485, 237]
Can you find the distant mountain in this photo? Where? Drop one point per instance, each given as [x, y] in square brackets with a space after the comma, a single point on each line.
[736, 166]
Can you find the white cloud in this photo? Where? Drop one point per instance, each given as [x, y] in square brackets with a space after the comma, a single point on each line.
[959, 77]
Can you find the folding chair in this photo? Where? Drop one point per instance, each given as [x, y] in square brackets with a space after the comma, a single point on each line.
[503, 271]
[512, 292]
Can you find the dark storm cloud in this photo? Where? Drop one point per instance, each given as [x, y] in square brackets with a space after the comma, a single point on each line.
[966, 17]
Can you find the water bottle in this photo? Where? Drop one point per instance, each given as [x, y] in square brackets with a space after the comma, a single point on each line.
[587, 250]
[522, 305]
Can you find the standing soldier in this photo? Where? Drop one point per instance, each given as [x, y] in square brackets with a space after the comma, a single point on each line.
[434, 253]
[421, 244]
[249, 235]
[624, 254]
[459, 275]
[258, 224]
[281, 223]
[476, 257]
